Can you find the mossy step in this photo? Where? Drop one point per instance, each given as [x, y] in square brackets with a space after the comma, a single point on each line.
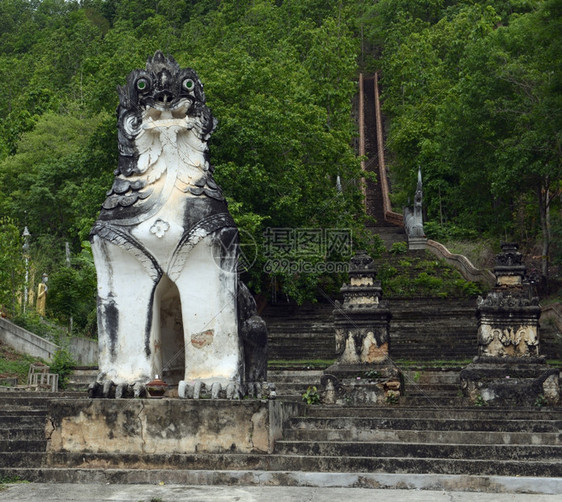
[424, 436]
[419, 450]
[434, 424]
[277, 462]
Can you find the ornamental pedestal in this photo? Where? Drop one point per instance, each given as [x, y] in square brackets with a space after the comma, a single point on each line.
[363, 372]
[509, 368]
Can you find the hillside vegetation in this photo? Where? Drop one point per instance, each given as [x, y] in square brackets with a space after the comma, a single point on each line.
[471, 93]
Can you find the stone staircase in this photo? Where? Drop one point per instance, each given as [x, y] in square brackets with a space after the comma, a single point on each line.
[424, 329]
[22, 432]
[421, 329]
[389, 235]
[429, 433]
[442, 440]
[81, 378]
[300, 332]
[23, 417]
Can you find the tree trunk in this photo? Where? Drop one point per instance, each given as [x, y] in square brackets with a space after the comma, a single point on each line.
[544, 209]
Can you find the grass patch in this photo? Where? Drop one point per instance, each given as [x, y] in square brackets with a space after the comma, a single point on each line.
[8, 480]
[15, 365]
[421, 274]
[481, 253]
[309, 364]
[436, 363]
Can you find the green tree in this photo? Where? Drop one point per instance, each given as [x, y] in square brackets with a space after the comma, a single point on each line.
[12, 269]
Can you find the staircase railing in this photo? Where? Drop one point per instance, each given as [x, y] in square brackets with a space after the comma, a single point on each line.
[462, 264]
[389, 215]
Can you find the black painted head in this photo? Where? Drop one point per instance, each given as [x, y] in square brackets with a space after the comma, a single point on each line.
[162, 85]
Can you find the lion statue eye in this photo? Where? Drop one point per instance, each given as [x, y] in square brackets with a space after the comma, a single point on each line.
[142, 84]
[188, 84]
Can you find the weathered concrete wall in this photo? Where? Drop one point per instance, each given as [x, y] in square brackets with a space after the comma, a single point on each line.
[26, 342]
[165, 426]
[84, 351]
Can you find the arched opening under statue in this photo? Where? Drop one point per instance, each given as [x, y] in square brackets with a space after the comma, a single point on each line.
[170, 347]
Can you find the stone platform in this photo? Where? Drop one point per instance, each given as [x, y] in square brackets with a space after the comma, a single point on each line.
[139, 427]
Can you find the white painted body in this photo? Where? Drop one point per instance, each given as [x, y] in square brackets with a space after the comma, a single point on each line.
[184, 313]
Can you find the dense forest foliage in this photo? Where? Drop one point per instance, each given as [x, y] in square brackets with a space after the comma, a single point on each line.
[471, 93]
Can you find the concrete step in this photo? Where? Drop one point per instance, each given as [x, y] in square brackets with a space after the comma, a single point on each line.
[317, 463]
[293, 389]
[430, 424]
[22, 445]
[389, 234]
[472, 413]
[11, 410]
[30, 433]
[81, 378]
[244, 477]
[433, 400]
[11, 421]
[294, 376]
[430, 377]
[424, 436]
[21, 459]
[419, 450]
[418, 395]
[34, 398]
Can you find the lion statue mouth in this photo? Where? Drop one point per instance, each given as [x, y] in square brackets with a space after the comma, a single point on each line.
[163, 116]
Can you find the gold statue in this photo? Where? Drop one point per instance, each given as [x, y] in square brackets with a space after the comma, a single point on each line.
[42, 296]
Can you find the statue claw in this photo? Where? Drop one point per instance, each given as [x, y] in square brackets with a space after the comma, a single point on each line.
[121, 391]
[139, 390]
[233, 391]
[215, 389]
[252, 388]
[199, 389]
[107, 388]
[93, 389]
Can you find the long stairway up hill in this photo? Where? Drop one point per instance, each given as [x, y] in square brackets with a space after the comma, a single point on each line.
[373, 199]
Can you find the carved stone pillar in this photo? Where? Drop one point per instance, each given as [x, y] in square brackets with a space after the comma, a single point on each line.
[413, 220]
[363, 372]
[508, 368]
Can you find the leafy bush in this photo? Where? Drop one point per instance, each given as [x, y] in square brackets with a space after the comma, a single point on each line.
[444, 232]
[311, 395]
[399, 248]
[468, 288]
[11, 265]
[13, 364]
[63, 364]
[427, 281]
[386, 272]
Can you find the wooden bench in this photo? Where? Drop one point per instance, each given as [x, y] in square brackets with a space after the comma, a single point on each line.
[38, 379]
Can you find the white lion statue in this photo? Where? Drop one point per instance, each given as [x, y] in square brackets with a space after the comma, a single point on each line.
[170, 303]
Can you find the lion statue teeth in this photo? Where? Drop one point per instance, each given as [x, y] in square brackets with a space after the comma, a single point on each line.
[170, 302]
